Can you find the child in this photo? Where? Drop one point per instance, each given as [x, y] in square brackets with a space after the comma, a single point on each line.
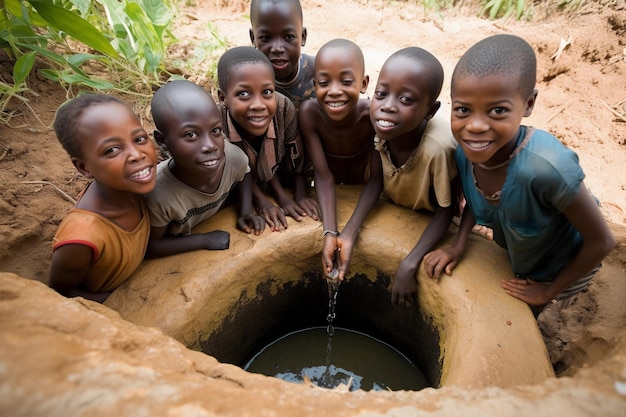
[265, 125]
[277, 31]
[519, 181]
[416, 150]
[195, 182]
[102, 240]
[338, 133]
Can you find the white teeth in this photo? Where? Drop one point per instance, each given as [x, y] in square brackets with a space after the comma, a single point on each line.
[477, 145]
[385, 123]
[142, 174]
[335, 104]
[210, 163]
[256, 119]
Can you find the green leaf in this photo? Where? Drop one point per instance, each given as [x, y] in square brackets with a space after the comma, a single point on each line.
[71, 78]
[22, 67]
[158, 12]
[80, 59]
[75, 26]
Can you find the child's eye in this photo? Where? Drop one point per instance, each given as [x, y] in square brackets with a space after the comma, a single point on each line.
[243, 94]
[499, 110]
[322, 83]
[217, 131]
[141, 139]
[290, 37]
[263, 38]
[380, 94]
[191, 135]
[111, 150]
[268, 92]
[461, 110]
[406, 100]
[347, 82]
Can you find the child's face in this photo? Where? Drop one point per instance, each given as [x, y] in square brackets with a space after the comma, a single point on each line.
[250, 98]
[192, 133]
[401, 100]
[338, 82]
[115, 149]
[278, 33]
[486, 114]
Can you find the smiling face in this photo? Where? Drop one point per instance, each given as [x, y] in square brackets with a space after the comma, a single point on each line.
[192, 133]
[115, 149]
[277, 32]
[401, 98]
[486, 115]
[339, 81]
[250, 98]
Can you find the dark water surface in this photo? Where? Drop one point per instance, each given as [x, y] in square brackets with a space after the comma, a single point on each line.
[330, 361]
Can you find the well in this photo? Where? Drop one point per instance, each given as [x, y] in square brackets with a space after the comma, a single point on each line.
[466, 331]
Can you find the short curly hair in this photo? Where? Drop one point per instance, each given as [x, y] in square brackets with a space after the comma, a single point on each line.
[67, 119]
[430, 63]
[348, 45]
[235, 57]
[255, 5]
[501, 54]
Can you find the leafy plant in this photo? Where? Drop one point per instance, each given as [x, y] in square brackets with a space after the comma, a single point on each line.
[123, 41]
[503, 8]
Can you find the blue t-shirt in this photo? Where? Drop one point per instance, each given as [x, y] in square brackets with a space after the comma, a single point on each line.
[528, 221]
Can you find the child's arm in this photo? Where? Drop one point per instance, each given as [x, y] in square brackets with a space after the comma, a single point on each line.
[273, 215]
[324, 181]
[308, 204]
[404, 283]
[369, 196]
[70, 264]
[440, 260]
[598, 241]
[161, 244]
[248, 221]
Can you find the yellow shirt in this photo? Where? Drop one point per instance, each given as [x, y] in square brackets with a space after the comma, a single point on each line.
[431, 164]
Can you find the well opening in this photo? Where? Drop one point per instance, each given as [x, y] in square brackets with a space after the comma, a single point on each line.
[363, 304]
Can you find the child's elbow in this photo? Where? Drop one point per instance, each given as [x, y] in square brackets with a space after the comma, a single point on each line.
[607, 244]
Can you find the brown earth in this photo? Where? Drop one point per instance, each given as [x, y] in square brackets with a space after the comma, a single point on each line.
[582, 100]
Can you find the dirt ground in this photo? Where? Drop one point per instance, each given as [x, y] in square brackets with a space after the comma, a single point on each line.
[582, 100]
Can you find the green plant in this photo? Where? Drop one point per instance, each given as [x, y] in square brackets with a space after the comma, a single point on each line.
[495, 9]
[101, 44]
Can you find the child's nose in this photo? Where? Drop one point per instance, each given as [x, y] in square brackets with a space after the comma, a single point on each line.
[208, 144]
[477, 124]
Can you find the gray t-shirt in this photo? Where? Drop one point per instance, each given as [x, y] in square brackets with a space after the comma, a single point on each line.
[181, 207]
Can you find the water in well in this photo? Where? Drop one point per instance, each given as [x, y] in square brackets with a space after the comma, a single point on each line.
[298, 313]
[347, 358]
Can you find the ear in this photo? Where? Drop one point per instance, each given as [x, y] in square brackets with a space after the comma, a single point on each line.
[303, 36]
[530, 103]
[160, 139]
[252, 37]
[222, 97]
[365, 83]
[433, 109]
[81, 167]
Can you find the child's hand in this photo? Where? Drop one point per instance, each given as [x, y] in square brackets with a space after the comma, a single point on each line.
[531, 292]
[216, 240]
[440, 260]
[291, 208]
[274, 216]
[404, 288]
[311, 207]
[251, 223]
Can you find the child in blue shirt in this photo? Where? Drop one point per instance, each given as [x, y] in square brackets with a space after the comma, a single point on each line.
[519, 181]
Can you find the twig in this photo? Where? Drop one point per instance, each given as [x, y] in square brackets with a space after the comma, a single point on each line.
[615, 112]
[556, 113]
[60, 191]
